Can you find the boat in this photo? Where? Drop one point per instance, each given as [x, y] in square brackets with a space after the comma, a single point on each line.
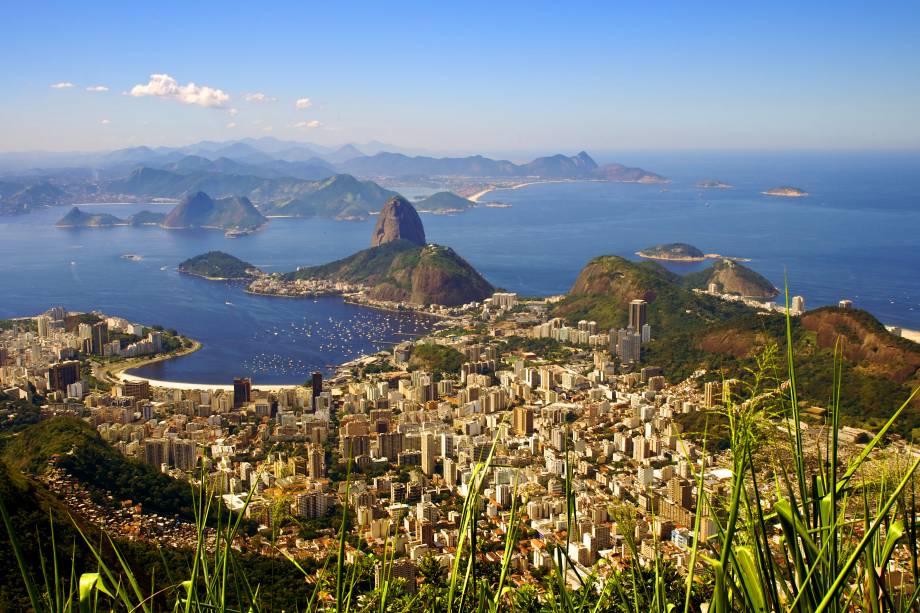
[237, 232]
[132, 257]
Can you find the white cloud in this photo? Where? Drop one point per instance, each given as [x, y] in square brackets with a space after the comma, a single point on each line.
[267, 129]
[259, 97]
[164, 86]
[105, 122]
[97, 88]
[232, 112]
[303, 103]
[62, 85]
[232, 124]
[313, 123]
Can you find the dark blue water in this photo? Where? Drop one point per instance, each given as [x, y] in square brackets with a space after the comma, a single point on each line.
[856, 236]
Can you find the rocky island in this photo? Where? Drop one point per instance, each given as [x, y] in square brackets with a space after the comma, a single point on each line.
[219, 266]
[675, 252]
[77, 218]
[443, 203]
[785, 192]
[198, 210]
[713, 184]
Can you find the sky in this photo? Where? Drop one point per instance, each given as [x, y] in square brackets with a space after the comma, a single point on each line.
[463, 77]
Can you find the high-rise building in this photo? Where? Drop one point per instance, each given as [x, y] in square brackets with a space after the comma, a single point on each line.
[404, 569]
[798, 305]
[316, 381]
[139, 390]
[63, 374]
[184, 454]
[100, 337]
[711, 392]
[316, 462]
[638, 315]
[242, 391]
[628, 345]
[429, 453]
[679, 492]
[523, 421]
[156, 452]
[389, 445]
[44, 326]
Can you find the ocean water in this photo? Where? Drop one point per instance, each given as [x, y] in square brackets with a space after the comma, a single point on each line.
[856, 236]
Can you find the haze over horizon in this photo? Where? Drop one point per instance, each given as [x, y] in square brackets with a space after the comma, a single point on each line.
[485, 79]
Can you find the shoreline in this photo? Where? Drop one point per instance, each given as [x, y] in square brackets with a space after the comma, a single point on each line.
[114, 372]
[120, 376]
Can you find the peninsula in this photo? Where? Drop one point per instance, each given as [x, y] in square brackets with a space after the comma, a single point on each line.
[399, 267]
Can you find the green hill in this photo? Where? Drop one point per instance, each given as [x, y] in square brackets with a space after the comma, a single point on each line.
[692, 331]
[219, 265]
[82, 452]
[606, 286]
[401, 271]
[732, 278]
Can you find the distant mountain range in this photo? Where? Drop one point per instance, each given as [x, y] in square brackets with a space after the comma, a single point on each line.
[282, 178]
[580, 166]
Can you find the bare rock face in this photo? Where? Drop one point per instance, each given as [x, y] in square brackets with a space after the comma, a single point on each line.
[398, 220]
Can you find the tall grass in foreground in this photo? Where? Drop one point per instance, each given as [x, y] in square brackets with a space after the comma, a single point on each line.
[819, 536]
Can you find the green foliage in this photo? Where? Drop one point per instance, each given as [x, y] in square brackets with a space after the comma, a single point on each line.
[435, 358]
[84, 454]
[546, 348]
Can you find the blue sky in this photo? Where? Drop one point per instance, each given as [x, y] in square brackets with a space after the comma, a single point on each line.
[477, 77]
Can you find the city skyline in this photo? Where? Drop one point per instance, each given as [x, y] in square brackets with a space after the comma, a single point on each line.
[450, 80]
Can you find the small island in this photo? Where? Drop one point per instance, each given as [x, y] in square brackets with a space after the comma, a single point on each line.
[713, 184]
[76, 218]
[676, 252]
[785, 192]
[443, 203]
[220, 266]
[236, 216]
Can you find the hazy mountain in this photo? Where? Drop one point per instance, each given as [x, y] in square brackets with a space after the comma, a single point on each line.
[339, 196]
[560, 166]
[75, 218]
[198, 210]
[580, 166]
[343, 154]
[397, 164]
[30, 197]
